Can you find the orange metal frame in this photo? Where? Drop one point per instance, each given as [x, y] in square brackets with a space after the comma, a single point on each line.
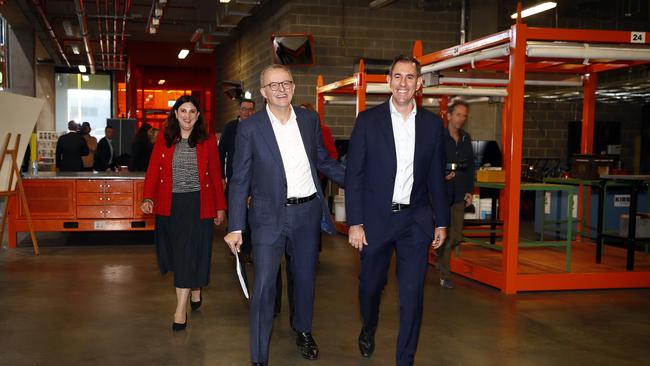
[508, 279]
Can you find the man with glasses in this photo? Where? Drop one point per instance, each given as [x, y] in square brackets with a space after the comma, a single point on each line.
[279, 153]
[227, 153]
[395, 201]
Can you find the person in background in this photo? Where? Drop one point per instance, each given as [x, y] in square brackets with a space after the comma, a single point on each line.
[91, 142]
[141, 149]
[104, 154]
[183, 188]
[396, 201]
[279, 151]
[227, 154]
[460, 183]
[153, 135]
[69, 150]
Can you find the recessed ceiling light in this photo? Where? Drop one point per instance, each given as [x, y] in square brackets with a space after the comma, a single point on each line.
[75, 49]
[82, 68]
[183, 53]
[161, 81]
[224, 1]
[85, 77]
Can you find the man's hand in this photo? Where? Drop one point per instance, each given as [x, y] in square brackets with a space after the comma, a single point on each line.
[234, 241]
[221, 216]
[450, 176]
[357, 237]
[439, 237]
[147, 207]
[468, 199]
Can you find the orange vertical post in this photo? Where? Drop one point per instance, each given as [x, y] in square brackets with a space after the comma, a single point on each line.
[360, 86]
[417, 53]
[589, 82]
[320, 98]
[512, 154]
[444, 104]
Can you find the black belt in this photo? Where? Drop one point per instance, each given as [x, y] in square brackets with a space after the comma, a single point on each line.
[399, 206]
[299, 200]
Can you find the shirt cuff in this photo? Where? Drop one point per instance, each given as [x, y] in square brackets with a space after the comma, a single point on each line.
[235, 232]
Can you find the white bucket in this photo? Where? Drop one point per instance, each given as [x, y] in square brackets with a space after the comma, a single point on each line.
[339, 208]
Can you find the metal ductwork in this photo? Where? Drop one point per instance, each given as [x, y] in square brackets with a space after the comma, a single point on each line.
[83, 28]
[50, 30]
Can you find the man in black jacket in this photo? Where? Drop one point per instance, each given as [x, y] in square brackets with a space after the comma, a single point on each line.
[460, 182]
[69, 150]
[104, 154]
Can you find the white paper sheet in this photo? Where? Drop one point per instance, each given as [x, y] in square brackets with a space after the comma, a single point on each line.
[240, 275]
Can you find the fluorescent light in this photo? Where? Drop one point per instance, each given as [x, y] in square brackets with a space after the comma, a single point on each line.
[535, 9]
[85, 77]
[184, 52]
[161, 81]
[82, 68]
[224, 1]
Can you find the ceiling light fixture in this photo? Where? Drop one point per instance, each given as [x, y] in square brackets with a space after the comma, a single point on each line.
[224, 1]
[536, 9]
[161, 81]
[75, 49]
[82, 68]
[183, 54]
[85, 78]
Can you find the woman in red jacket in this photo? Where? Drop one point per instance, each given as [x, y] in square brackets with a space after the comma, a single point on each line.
[183, 188]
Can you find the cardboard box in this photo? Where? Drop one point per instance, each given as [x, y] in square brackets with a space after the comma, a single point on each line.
[642, 225]
[497, 176]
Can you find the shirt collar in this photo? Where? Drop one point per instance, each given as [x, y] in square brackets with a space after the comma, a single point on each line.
[394, 110]
[275, 120]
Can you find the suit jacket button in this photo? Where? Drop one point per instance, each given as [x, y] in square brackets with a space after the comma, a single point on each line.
[207, 185]
[163, 155]
[161, 181]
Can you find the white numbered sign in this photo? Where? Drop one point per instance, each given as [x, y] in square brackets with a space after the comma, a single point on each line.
[637, 37]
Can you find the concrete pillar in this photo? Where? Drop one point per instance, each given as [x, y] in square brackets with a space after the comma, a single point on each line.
[21, 48]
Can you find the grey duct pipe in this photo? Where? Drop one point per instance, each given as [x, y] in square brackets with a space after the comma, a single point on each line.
[83, 27]
[50, 30]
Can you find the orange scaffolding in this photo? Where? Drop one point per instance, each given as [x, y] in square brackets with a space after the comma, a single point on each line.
[514, 55]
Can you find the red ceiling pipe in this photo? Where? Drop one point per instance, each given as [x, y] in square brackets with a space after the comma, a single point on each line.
[101, 41]
[106, 28]
[48, 26]
[117, 9]
[127, 9]
[83, 27]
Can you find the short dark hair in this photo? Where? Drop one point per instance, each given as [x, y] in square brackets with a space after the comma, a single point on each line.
[455, 103]
[404, 58]
[107, 127]
[246, 100]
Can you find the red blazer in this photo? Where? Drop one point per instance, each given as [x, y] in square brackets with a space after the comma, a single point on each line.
[158, 181]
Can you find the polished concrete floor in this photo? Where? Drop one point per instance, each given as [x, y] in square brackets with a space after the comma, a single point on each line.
[97, 299]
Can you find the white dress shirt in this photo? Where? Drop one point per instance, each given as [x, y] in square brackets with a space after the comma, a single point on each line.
[404, 135]
[300, 182]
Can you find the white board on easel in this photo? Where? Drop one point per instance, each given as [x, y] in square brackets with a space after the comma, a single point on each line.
[19, 116]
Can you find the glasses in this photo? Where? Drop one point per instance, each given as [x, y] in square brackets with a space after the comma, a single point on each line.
[246, 109]
[275, 86]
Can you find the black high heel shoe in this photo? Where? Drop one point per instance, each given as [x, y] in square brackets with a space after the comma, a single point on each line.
[179, 326]
[196, 305]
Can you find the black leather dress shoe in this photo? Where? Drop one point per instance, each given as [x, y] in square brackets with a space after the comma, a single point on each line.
[196, 305]
[307, 345]
[366, 343]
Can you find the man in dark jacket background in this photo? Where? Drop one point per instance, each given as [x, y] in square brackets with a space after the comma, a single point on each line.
[69, 150]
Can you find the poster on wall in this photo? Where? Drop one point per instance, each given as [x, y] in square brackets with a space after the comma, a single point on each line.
[19, 115]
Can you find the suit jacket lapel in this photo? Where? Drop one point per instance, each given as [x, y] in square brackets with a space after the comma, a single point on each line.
[420, 126]
[386, 127]
[266, 130]
[304, 134]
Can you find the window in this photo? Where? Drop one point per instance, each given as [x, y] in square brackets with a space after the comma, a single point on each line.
[83, 101]
[3, 54]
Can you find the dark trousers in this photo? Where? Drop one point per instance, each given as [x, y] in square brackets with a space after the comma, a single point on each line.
[246, 247]
[299, 239]
[457, 216]
[411, 245]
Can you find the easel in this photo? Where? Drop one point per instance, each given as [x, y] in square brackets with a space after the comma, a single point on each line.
[21, 190]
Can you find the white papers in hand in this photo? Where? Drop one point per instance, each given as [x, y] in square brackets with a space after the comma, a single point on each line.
[240, 275]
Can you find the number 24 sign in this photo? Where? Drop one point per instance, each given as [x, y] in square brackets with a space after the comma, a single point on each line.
[637, 37]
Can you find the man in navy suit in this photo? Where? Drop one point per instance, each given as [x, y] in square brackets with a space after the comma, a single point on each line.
[396, 201]
[279, 154]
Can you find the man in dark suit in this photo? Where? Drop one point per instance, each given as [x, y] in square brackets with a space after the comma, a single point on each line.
[279, 153]
[69, 150]
[227, 154]
[104, 154]
[396, 201]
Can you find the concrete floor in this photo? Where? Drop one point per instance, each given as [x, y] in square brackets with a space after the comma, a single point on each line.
[97, 298]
